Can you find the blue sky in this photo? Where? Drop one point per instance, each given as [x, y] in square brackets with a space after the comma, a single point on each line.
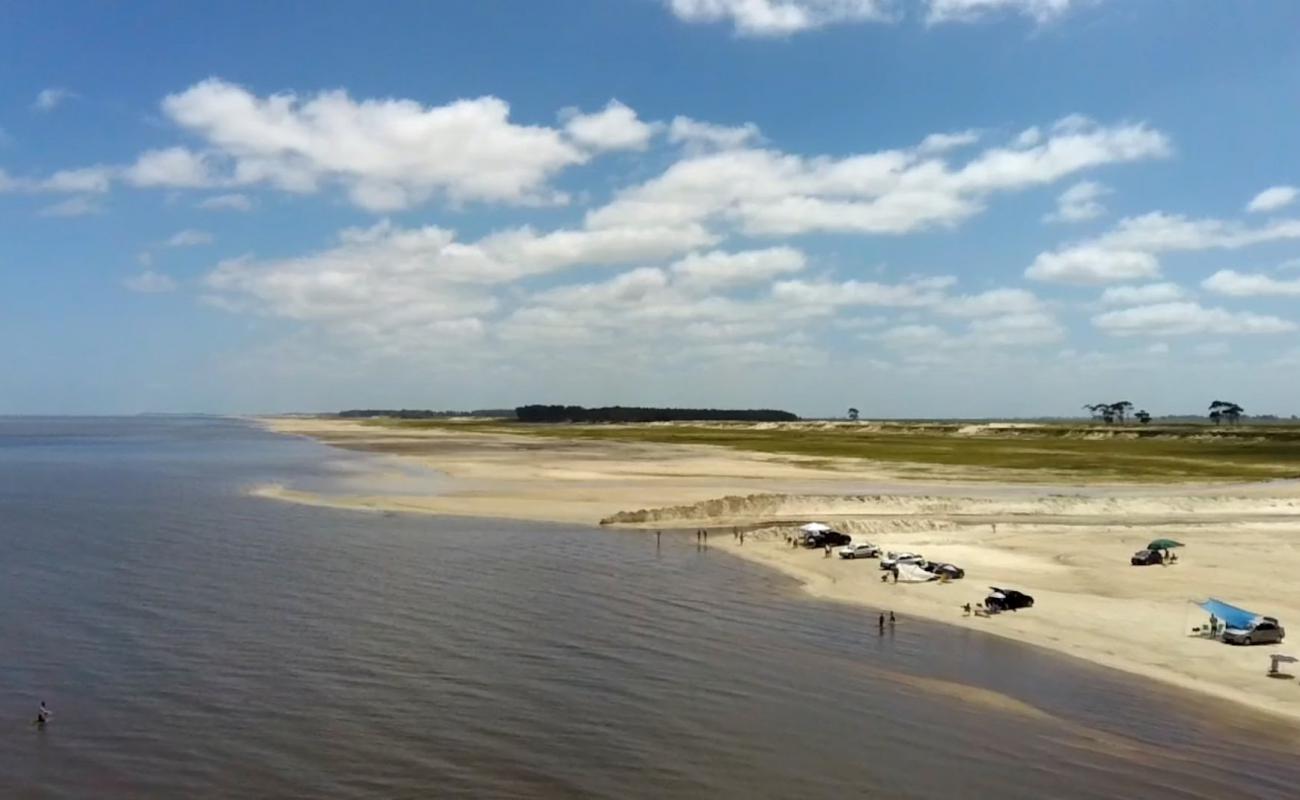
[914, 207]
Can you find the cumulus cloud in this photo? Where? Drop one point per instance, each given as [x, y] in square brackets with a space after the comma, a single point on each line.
[50, 99]
[227, 202]
[1079, 203]
[73, 207]
[1186, 318]
[150, 282]
[85, 179]
[766, 192]
[388, 154]
[1238, 284]
[1147, 294]
[189, 238]
[615, 127]
[706, 135]
[1091, 266]
[995, 302]
[722, 270]
[1273, 198]
[1126, 253]
[780, 17]
[174, 167]
[969, 10]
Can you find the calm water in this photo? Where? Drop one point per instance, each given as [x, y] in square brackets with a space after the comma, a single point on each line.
[195, 642]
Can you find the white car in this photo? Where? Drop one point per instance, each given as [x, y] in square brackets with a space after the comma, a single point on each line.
[890, 560]
[859, 550]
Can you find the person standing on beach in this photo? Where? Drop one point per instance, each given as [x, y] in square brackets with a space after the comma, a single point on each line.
[891, 619]
[43, 715]
[882, 622]
[706, 537]
[742, 538]
[658, 534]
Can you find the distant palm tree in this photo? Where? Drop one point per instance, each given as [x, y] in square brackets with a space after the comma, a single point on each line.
[853, 414]
[1142, 416]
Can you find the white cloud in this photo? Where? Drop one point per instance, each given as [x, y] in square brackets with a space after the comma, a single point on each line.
[937, 143]
[1147, 294]
[1127, 252]
[50, 99]
[706, 135]
[85, 179]
[1090, 266]
[780, 17]
[829, 294]
[1018, 329]
[766, 192]
[150, 282]
[384, 279]
[1186, 318]
[388, 154]
[189, 238]
[721, 270]
[1238, 284]
[1040, 11]
[1273, 198]
[1079, 203]
[226, 202]
[73, 207]
[995, 302]
[174, 167]
[615, 127]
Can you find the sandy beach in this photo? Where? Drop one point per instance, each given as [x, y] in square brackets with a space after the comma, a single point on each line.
[1067, 545]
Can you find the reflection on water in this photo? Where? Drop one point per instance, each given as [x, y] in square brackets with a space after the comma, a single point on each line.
[196, 642]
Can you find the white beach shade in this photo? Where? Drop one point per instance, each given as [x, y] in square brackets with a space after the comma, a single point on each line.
[1280, 659]
[815, 527]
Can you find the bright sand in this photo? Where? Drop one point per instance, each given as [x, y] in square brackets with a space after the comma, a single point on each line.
[1068, 546]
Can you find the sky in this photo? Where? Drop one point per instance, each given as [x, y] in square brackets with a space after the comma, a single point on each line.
[917, 208]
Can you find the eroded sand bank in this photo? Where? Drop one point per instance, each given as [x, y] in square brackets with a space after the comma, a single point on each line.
[1066, 545]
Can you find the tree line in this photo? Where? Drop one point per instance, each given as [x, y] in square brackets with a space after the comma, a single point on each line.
[1221, 411]
[557, 413]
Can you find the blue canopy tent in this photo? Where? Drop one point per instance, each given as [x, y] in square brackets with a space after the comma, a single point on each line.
[1232, 616]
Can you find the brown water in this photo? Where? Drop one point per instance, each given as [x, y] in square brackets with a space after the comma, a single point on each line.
[195, 642]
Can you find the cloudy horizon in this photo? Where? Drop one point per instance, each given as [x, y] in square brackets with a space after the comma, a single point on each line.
[918, 208]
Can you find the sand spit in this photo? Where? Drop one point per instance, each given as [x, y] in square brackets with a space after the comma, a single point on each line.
[1068, 545]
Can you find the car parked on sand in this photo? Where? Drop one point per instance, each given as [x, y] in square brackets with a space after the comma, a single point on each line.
[859, 550]
[891, 560]
[1007, 600]
[1146, 558]
[823, 538]
[950, 571]
[1265, 631]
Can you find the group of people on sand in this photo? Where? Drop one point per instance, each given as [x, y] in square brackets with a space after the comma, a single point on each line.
[892, 621]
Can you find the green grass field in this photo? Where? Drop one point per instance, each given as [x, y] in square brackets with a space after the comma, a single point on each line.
[1073, 451]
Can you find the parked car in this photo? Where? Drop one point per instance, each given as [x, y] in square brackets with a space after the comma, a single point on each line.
[859, 550]
[1146, 558]
[891, 560]
[1265, 631]
[951, 571]
[1007, 600]
[823, 538]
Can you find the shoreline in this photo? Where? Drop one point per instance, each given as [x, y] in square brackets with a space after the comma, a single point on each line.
[1070, 550]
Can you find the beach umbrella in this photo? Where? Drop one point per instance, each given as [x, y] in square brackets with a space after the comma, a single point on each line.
[814, 527]
[1164, 544]
[1280, 659]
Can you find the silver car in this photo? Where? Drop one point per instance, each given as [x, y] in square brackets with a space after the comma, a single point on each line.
[1265, 631]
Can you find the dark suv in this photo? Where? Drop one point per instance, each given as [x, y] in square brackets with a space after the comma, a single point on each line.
[823, 538]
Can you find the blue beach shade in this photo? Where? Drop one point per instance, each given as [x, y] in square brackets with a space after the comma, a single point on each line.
[1232, 616]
